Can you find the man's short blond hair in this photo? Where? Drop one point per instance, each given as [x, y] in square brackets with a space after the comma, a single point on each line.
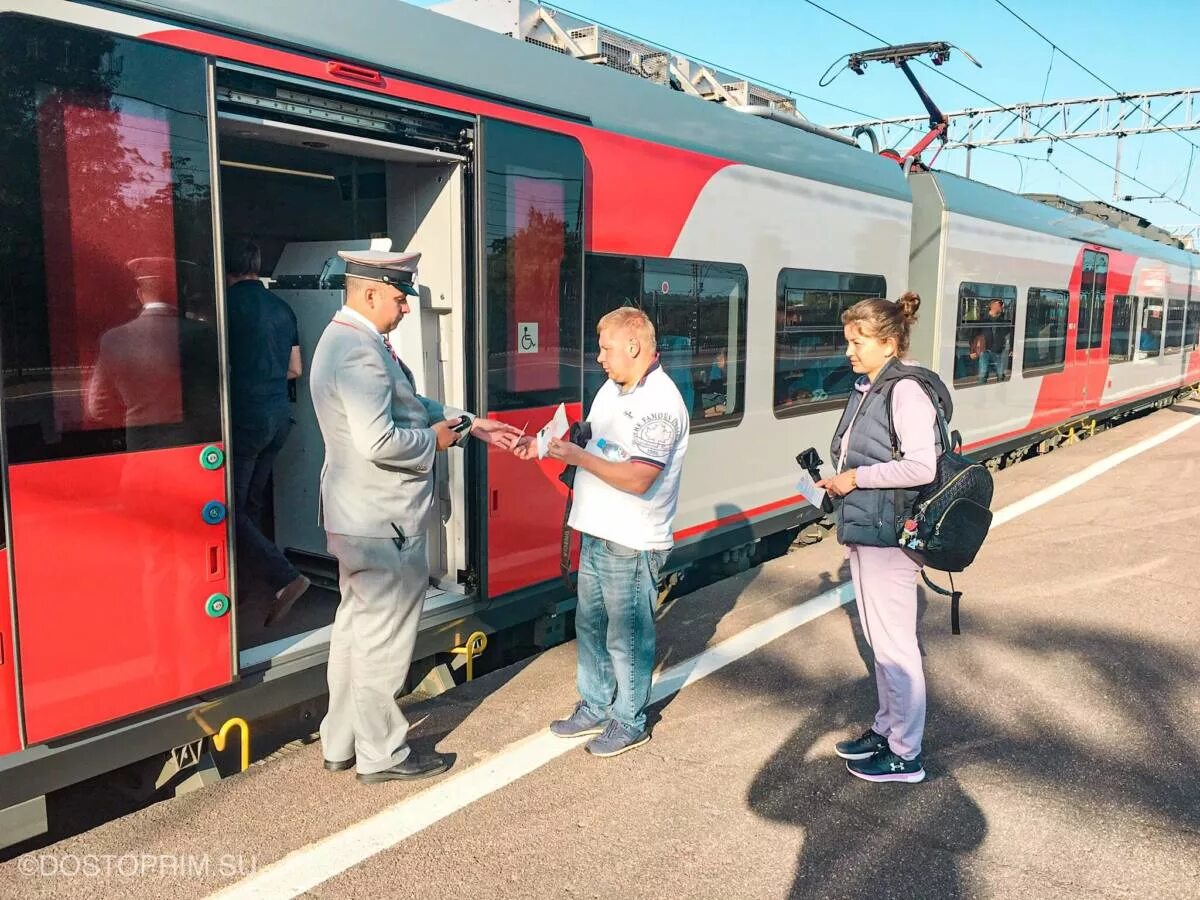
[631, 319]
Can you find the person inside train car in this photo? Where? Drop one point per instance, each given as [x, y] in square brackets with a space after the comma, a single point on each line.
[264, 355]
[626, 491]
[381, 439]
[868, 480]
[997, 350]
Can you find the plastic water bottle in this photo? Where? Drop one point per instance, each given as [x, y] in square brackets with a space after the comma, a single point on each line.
[612, 452]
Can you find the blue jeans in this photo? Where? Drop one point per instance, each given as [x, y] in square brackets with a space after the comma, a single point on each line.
[614, 628]
[256, 442]
[990, 361]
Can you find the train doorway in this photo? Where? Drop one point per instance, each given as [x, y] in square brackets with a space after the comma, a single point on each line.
[1093, 320]
[302, 186]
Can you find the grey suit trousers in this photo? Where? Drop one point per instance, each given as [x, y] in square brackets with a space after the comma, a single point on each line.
[370, 651]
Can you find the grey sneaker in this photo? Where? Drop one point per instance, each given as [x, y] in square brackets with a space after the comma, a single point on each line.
[582, 721]
[616, 739]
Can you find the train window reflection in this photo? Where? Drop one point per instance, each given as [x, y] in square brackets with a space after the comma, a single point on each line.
[1174, 330]
[1150, 334]
[110, 339]
[811, 368]
[984, 338]
[1093, 286]
[1120, 347]
[533, 247]
[1045, 332]
[699, 313]
[1191, 330]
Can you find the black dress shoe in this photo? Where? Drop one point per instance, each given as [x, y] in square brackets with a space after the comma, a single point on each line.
[339, 766]
[410, 770]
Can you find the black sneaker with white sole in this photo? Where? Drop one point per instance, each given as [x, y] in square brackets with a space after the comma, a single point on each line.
[887, 766]
[864, 747]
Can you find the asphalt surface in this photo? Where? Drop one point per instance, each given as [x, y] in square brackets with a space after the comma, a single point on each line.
[1061, 746]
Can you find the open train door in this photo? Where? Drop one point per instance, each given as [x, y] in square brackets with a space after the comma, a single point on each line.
[531, 223]
[1087, 351]
[111, 377]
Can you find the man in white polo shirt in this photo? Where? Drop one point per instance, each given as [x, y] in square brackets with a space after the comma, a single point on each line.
[626, 489]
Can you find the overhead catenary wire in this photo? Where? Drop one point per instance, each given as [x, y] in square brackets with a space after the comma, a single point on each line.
[1059, 49]
[1008, 108]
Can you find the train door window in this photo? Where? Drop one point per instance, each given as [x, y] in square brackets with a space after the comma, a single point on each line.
[1151, 328]
[1093, 287]
[533, 249]
[984, 338]
[108, 304]
[699, 313]
[1045, 332]
[1120, 347]
[1191, 328]
[1174, 329]
[811, 368]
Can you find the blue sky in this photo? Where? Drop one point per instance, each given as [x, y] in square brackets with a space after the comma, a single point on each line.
[1134, 46]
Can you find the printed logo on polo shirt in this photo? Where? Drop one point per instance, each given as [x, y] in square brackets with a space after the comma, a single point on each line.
[656, 434]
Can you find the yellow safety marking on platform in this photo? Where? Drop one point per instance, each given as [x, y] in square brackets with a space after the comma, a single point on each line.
[306, 868]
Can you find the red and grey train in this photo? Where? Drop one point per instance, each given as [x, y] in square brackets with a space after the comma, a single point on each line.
[136, 136]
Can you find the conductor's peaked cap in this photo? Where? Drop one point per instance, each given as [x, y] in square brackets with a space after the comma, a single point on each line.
[396, 269]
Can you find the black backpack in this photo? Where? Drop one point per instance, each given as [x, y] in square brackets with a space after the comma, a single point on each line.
[945, 525]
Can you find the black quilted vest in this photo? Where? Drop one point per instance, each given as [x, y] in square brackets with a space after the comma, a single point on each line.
[869, 516]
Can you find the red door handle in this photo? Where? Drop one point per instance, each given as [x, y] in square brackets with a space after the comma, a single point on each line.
[214, 562]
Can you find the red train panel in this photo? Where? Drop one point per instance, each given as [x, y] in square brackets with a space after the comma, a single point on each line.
[525, 509]
[115, 562]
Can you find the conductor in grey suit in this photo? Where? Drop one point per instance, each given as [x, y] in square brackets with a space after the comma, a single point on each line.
[381, 440]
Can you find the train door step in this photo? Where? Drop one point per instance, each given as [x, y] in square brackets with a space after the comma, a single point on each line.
[312, 641]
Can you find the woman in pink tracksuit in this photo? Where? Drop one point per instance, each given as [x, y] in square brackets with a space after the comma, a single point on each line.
[869, 479]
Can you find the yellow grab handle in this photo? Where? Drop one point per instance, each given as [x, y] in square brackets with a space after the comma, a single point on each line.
[219, 738]
[474, 646]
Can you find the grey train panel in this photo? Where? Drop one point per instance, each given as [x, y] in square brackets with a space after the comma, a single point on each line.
[982, 201]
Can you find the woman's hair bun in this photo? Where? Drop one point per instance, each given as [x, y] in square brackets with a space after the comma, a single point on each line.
[909, 303]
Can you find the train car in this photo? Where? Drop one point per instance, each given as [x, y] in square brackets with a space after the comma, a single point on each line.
[542, 193]
[1045, 320]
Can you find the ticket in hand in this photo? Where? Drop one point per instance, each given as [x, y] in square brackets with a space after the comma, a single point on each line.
[555, 428]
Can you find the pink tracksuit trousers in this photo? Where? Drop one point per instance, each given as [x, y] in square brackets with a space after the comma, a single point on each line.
[885, 589]
[885, 579]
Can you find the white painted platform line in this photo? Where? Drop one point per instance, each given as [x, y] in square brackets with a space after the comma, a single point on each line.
[316, 863]
[1046, 494]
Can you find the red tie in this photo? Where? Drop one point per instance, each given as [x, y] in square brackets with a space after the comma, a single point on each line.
[392, 351]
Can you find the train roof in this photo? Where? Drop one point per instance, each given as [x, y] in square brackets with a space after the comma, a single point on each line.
[430, 47]
[992, 204]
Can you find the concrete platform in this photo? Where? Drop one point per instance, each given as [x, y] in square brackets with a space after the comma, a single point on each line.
[1063, 742]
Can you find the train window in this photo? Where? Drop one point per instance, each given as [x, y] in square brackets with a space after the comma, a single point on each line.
[1151, 327]
[811, 369]
[1045, 331]
[1093, 287]
[1191, 329]
[108, 305]
[984, 339]
[1174, 330]
[1120, 347]
[533, 248]
[699, 313]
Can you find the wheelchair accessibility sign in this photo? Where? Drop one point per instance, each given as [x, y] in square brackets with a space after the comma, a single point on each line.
[527, 337]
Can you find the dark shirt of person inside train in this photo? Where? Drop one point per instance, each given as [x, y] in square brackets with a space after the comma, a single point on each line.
[264, 353]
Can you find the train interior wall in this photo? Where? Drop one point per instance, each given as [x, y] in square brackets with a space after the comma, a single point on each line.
[300, 205]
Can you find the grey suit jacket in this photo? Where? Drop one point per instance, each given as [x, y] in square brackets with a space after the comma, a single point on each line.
[379, 447]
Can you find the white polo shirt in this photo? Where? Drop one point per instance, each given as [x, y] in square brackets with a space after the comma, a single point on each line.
[649, 425]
